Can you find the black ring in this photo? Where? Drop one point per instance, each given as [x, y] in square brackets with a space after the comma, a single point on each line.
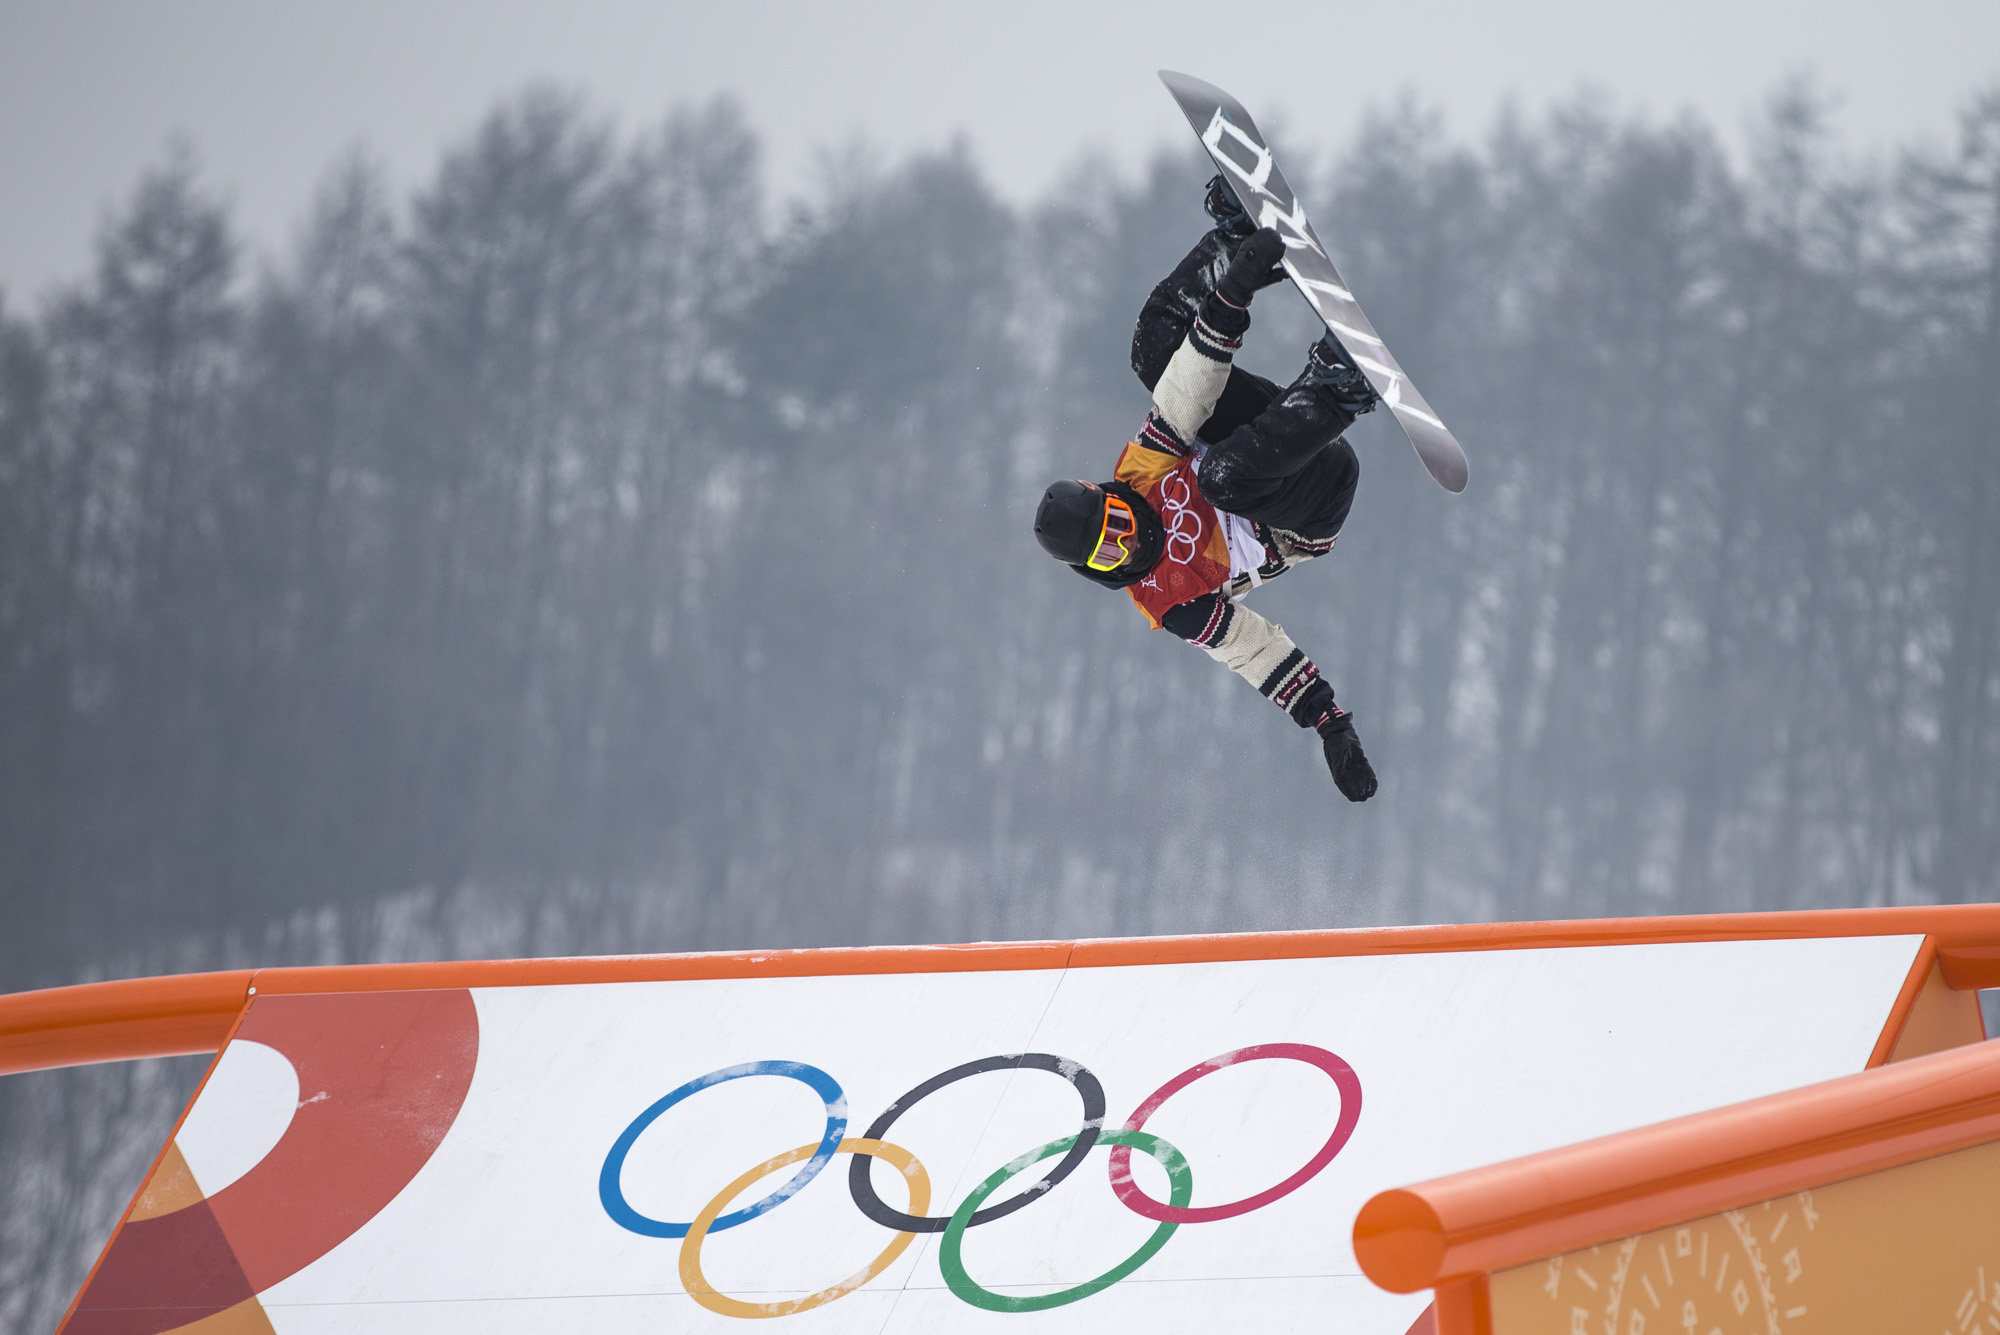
[1087, 1089]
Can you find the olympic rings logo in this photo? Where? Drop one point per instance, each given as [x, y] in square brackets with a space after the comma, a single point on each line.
[970, 1213]
[1183, 523]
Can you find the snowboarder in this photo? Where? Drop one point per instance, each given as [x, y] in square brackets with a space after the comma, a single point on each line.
[1231, 482]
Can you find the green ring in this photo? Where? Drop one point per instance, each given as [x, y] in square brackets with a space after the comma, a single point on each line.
[1179, 1176]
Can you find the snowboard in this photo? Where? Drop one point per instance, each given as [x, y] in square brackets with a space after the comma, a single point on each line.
[1241, 155]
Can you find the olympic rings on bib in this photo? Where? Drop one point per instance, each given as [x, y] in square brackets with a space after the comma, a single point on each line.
[1180, 515]
[1176, 1211]
[973, 1211]
[1180, 1189]
[696, 1283]
[1087, 1088]
[612, 1193]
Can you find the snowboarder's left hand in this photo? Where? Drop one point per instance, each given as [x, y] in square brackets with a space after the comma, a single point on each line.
[1259, 262]
[1352, 773]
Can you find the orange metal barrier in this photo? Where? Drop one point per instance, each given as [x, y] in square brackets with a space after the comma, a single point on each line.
[1471, 1224]
[189, 1013]
[121, 1020]
[1913, 1144]
[1967, 937]
[159, 1017]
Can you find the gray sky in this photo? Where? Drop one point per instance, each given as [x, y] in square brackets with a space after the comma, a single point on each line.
[269, 91]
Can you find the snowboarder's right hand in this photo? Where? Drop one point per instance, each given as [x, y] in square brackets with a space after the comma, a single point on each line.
[1259, 262]
[1352, 773]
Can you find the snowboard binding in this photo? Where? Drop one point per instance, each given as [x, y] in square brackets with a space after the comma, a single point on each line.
[1331, 371]
[1231, 218]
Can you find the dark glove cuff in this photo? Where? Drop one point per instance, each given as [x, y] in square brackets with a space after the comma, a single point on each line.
[1225, 318]
[1334, 722]
[1314, 705]
[1238, 295]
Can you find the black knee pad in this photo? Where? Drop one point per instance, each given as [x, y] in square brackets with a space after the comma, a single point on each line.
[1156, 337]
[1173, 304]
[1245, 476]
[1228, 475]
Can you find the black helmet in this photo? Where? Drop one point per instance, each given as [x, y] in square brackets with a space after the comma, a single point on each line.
[1073, 516]
[1069, 519]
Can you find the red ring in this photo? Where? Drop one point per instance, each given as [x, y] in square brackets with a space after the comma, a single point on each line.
[1344, 1079]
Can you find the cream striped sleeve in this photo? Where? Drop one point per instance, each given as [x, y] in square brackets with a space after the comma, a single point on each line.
[1259, 651]
[1194, 379]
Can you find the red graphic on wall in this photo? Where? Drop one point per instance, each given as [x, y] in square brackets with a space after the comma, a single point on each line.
[382, 1076]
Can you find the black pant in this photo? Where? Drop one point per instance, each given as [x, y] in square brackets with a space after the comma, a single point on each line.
[1274, 456]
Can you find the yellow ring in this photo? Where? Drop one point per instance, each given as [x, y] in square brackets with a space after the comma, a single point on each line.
[696, 1283]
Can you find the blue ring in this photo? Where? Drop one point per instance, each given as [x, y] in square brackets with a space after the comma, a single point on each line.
[822, 1084]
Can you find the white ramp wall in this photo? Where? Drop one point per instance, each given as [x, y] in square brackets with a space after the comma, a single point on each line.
[533, 1158]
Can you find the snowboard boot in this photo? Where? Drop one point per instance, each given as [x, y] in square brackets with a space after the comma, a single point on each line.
[1331, 371]
[1231, 219]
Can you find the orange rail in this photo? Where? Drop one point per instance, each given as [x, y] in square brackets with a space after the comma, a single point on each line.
[1967, 937]
[159, 1017]
[121, 1020]
[188, 1013]
[1453, 1229]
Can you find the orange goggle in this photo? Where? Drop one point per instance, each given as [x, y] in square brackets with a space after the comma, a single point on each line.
[1119, 524]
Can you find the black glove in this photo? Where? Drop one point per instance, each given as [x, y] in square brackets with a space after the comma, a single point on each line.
[1352, 773]
[1259, 262]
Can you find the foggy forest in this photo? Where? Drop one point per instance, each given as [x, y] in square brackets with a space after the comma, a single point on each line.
[590, 552]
